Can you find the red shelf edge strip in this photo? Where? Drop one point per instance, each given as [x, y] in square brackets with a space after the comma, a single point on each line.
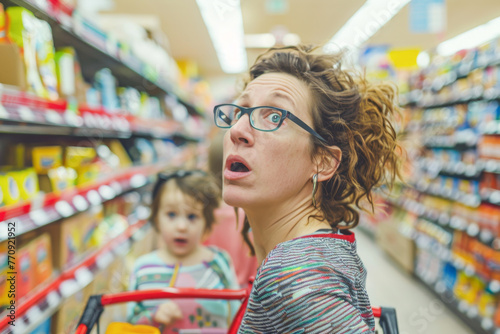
[70, 273]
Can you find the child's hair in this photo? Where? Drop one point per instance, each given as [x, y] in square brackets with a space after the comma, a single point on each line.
[350, 113]
[196, 184]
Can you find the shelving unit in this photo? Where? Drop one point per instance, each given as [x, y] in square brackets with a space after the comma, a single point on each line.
[31, 120]
[43, 302]
[129, 72]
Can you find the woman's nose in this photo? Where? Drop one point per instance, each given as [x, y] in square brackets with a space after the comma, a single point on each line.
[242, 131]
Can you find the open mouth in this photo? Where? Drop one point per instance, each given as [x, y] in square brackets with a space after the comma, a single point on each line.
[238, 167]
[180, 241]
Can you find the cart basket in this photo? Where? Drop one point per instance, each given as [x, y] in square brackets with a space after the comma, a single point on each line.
[96, 303]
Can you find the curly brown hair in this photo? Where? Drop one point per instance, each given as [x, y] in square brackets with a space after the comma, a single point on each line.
[350, 113]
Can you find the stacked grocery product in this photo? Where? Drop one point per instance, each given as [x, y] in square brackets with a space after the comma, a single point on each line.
[91, 122]
[449, 209]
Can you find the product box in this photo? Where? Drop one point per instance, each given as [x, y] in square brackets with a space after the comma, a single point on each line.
[25, 272]
[14, 74]
[70, 311]
[76, 156]
[45, 158]
[9, 188]
[398, 246]
[27, 182]
[41, 252]
[4, 284]
[74, 236]
[58, 180]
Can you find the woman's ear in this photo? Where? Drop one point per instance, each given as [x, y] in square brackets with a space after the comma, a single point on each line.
[328, 162]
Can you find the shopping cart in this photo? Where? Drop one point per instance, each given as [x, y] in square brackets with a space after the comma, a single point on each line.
[95, 306]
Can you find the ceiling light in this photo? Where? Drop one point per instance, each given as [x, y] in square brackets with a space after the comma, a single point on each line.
[291, 39]
[372, 16]
[225, 26]
[470, 39]
[259, 40]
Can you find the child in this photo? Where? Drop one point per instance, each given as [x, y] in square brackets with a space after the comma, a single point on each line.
[182, 213]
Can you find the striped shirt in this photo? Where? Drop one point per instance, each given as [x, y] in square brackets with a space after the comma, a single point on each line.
[311, 284]
[151, 272]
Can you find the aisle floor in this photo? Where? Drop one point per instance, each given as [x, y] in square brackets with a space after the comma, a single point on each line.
[419, 311]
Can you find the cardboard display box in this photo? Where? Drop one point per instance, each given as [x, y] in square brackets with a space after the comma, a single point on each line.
[398, 246]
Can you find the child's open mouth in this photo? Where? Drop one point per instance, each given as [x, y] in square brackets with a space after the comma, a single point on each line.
[180, 241]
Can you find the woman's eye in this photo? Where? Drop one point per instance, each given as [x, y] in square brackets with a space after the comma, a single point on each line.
[274, 117]
[171, 214]
[192, 216]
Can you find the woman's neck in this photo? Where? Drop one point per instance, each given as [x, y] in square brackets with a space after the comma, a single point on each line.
[273, 225]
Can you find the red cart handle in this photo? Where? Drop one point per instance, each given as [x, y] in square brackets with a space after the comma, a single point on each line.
[96, 303]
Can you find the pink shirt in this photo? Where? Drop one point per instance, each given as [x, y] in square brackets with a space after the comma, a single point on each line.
[226, 235]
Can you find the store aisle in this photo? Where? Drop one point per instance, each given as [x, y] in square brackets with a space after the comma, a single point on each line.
[418, 310]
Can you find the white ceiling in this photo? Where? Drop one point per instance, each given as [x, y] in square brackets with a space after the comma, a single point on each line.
[315, 21]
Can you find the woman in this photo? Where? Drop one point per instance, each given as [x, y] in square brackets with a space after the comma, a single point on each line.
[307, 144]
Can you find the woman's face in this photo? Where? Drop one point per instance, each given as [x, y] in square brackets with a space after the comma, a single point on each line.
[279, 162]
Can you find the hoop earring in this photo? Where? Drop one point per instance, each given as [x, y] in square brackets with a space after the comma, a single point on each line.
[315, 188]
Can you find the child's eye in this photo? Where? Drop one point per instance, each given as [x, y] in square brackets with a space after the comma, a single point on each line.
[192, 216]
[171, 214]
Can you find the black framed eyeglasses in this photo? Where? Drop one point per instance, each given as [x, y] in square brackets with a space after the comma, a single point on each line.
[262, 118]
[164, 177]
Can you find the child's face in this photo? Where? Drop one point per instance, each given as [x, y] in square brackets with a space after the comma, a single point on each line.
[180, 221]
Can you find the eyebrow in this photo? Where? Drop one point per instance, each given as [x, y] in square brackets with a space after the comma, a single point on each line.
[277, 94]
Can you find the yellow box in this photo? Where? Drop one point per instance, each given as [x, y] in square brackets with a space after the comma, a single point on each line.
[4, 284]
[46, 158]
[27, 183]
[87, 174]
[9, 188]
[78, 156]
[62, 178]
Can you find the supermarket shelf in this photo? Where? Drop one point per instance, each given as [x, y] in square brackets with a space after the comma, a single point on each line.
[467, 314]
[92, 57]
[53, 206]
[32, 310]
[25, 113]
[469, 200]
[443, 219]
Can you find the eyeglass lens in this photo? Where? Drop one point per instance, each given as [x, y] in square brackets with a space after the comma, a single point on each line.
[261, 118]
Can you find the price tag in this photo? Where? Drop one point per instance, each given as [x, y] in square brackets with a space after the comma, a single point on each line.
[20, 327]
[143, 212]
[94, 198]
[487, 324]
[116, 187]
[138, 180]
[106, 192]
[104, 260]
[54, 117]
[34, 314]
[4, 233]
[64, 209]
[83, 276]
[472, 312]
[53, 299]
[80, 203]
[123, 248]
[26, 114]
[68, 288]
[473, 230]
[39, 217]
[3, 112]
